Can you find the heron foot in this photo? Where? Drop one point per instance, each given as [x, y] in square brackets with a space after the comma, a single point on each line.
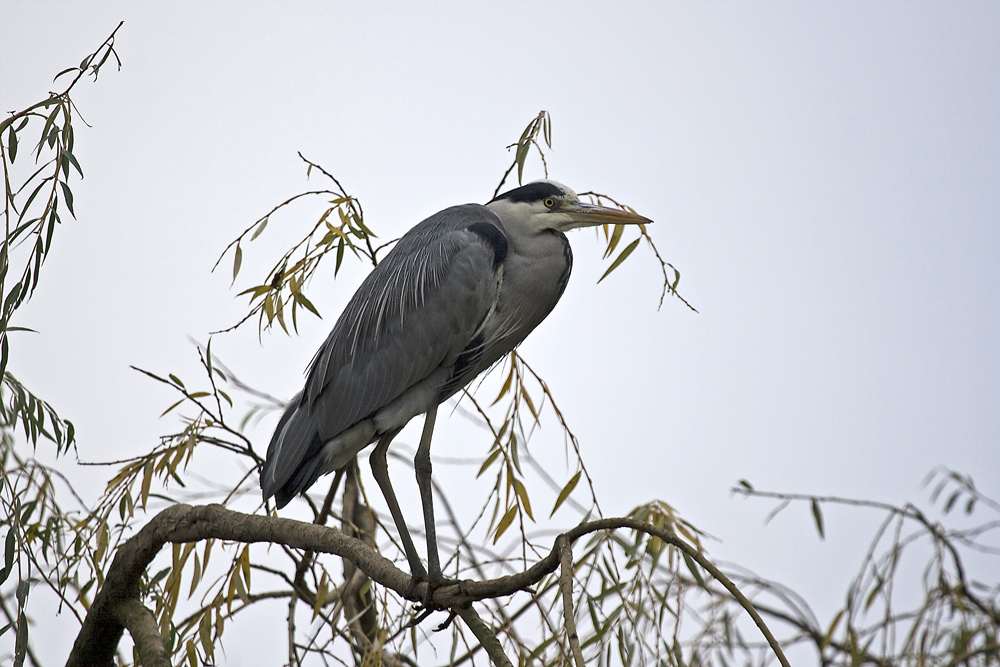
[425, 604]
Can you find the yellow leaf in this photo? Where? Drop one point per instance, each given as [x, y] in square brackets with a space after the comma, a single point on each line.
[192, 653]
[269, 308]
[205, 634]
[245, 564]
[102, 542]
[147, 478]
[505, 523]
[208, 550]
[196, 577]
[279, 312]
[616, 236]
[522, 493]
[321, 592]
[529, 402]
[506, 386]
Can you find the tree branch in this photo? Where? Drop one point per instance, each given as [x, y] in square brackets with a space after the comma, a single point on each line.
[145, 634]
[487, 638]
[566, 584]
[102, 629]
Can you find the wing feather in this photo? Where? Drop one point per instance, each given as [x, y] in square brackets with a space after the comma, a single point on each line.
[415, 313]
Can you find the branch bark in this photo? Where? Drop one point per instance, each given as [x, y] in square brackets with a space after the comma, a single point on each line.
[142, 626]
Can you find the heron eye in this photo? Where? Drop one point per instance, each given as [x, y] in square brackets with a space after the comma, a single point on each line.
[549, 202]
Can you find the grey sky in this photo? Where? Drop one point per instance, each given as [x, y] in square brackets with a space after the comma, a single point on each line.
[824, 175]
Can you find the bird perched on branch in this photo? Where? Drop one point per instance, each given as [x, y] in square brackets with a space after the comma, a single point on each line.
[458, 292]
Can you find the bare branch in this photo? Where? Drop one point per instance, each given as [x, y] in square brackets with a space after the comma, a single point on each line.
[566, 584]
[487, 639]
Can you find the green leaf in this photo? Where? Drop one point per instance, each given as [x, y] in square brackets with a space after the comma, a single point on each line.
[45, 131]
[260, 229]
[301, 299]
[237, 261]
[256, 291]
[22, 593]
[523, 145]
[818, 518]
[12, 144]
[693, 568]
[13, 297]
[4, 352]
[519, 158]
[566, 491]
[951, 501]
[31, 198]
[340, 256]
[172, 407]
[488, 462]
[621, 258]
[21, 642]
[828, 637]
[64, 72]
[874, 592]
[68, 197]
[72, 161]
[361, 225]
[8, 556]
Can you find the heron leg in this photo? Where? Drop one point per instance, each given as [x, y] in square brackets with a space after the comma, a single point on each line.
[380, 470]
[422, 468]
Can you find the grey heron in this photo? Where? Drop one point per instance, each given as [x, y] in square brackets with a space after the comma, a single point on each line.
[458, 292]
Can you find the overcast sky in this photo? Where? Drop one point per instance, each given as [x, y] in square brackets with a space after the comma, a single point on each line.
[825, 175]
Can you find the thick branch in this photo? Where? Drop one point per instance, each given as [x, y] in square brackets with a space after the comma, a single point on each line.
[145, 634]
[102, 629]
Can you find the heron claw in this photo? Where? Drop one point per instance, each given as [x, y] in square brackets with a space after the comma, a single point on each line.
[444, 625]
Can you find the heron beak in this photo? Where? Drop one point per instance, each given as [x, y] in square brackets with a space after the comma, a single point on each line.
[588, 215]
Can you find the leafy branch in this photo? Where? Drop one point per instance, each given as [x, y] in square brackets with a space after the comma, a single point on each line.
[957, 619]
[43, 543]
[340, 228]
[22, 220]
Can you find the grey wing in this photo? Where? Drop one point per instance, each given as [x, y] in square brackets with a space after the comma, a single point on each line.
[415, 313]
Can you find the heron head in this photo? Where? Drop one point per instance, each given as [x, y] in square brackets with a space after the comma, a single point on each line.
[545, 205]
